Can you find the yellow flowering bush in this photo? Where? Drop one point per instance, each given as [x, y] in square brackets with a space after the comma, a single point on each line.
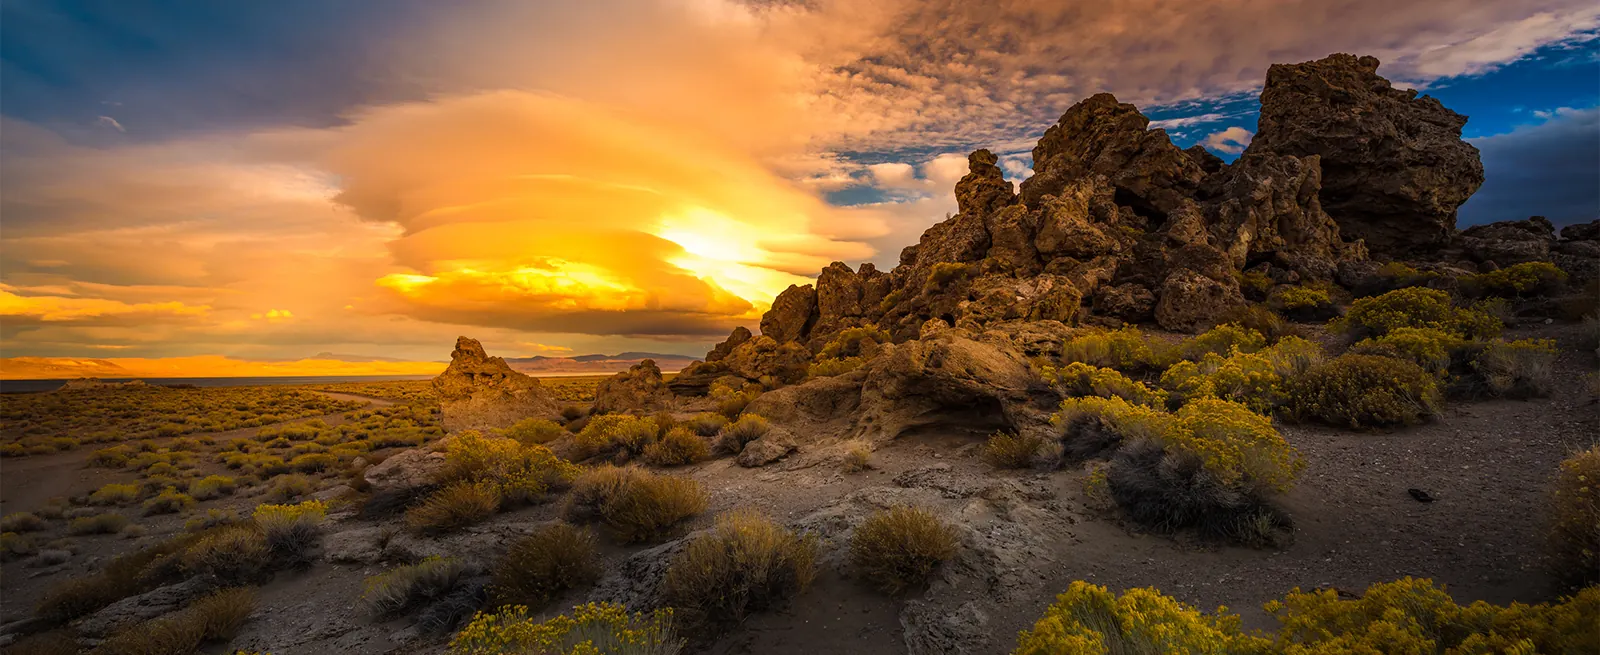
[1575, 514]
[1292, 298]
[1364, 391]
[1416, 307]
[1255, 379]
[831, 367]
[1530, 278]
[609, 433]
[1080, 379]
[520, 473]
[1090, 620]
[1127, 420]
[291, 529]
[592, 629]
[1126, 349]
[1222, 340]
[1238, 446]
[1430, 348]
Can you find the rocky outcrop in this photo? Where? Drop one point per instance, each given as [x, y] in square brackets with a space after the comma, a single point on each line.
[143, 607]
[1394, 167]
[945, 377]
[1578, 251]
[1508, 242]
[637, 389]
[405, 471]
[792, 314]
[1105, 137]
[479, 392]
[1266, 207]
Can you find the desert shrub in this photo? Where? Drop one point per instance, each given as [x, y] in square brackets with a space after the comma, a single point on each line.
[1418, 308]
[456, 506]
[1126, 349]
[217, 617]
[1526, 279]
[731, 402]
[169, 501]
[1254, 284]
[1517, 369]
[111, 458]
[831, 367]
[16, 546]
[1090, 619]
[1430, 348]
[539, 567]
[212, 486]
[706, 424]
[745, 564]
[1221, 340]
[945, 273]
[1303, 303]
[291, 529]
[1259, 319]
[1364, 391]
[611, 433]
[519, 473]
[678, 446]
[114, 494]
[857, 459]
[593, 628]
[536, 430]
[260, 465]
[233, 553]
[1575, 514]
[1079, 379]
[738, 433]
[285, 488]
[1255, 379]
[314, 462]
[571, 413]
[107, 523]
[132, 531]
[54, 508]
[407, 587]
[1011, 450]
[1093, 427]
[211, 519]
[898, 548]
[22, 522]
[125, 575]
[636, 505]
[1414, 616]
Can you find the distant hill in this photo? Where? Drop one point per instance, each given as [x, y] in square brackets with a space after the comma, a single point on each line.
[355, 358]
[596, 363]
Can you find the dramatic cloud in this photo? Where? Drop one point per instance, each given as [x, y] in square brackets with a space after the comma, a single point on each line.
[1550, 169]
[1232, 140]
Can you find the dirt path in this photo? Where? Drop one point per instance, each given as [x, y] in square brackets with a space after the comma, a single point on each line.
[27, 482]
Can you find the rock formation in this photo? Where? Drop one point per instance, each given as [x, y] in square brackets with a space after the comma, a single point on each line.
[636, 389]
[479, 392]
[1394, 167]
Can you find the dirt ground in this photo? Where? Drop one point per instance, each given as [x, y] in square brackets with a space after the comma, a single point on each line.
[1026, 535]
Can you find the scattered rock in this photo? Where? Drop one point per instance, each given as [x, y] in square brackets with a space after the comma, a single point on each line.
[404, 471]
[356, 546]
[766, 450]
[143, 607]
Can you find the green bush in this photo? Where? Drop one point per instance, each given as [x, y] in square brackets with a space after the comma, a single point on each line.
[735, 435]
[601, 628]
[1417, 308]
[537, 568]
[745, 564]
[458, 505]
[1301, 301]
[519, 473]
[635, 504]
[212, 486]
[898, 548]
[677, 447]
[1575, 513]
[407, 587]
[1430, 348]
[1079, 379]
[314, 462]
[1126, 349]
[1526, 279]
[1365, 391]
[612, 433]
[1010, 450]
[1255, 379]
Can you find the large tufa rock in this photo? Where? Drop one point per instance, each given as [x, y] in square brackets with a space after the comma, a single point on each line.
[639, 388]
[792, 314]
[1267, 207]
[479, 392]
[847, 298]
[1102, 136]
[1394, 167]
[928, 380]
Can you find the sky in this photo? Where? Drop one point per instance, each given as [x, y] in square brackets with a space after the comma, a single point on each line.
[257, 182]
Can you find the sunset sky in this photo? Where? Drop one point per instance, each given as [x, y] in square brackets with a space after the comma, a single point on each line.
[270, 180]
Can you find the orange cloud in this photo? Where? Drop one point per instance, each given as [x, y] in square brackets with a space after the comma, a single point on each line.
[57, 368]
[57, 309]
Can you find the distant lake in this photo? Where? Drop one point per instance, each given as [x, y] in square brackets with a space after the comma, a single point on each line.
[34, 386]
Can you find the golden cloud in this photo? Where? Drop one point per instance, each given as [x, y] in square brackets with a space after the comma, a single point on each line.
[61, 309]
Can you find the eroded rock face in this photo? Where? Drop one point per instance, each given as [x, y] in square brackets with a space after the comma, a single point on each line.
[764, 356]
[1267, 206]
[1102, 136]
[947, 373]
[640, 388]
[480, 392]
[1394, 167]
[792, 314]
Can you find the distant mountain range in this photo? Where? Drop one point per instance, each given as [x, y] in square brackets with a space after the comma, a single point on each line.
[541, 364]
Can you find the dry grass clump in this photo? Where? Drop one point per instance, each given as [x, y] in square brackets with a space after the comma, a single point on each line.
[857, 459]
[745, 564]
[706, 424]
[738, 433]
[211, 519]
[610, 434]
[1517, 369]
[22, 522]
[107, 523]
[677, 447]
[1575, 514]
[635, 504]
[456, 506]
[55, 642]
[123, 576]
[898, 548]
[531, 431]
[215, 618]
[1365, 391]
[290, 530]
[169, 501]
[408, 587]
[115, 494]
[234, 553]
[15, 546]
[731, 402]
[536, 569]
[1010, 450]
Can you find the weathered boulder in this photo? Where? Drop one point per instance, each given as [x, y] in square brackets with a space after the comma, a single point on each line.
[1102, 136]
[1509, 242]
[946, 373]
[1074, 221]
[1581, 231]
[960, 238]
[356, 545]
[1207, 162]
[766, 450]
[735, 339]
[404, 471]
[639, 388]
[764, 356]
[1394, 167]
[792, 314]
[847, 298]
[479, 392]
[820, 400]
[1190, 301]
[1129, 302]
[143, 607]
